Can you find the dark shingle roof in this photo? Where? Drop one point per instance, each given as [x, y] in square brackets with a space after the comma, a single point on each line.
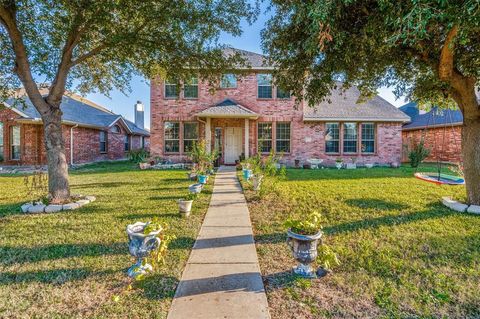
[78, 112]
[344, 106]
[433, 118]
[254, 60]
[227, 108]
[410, 109]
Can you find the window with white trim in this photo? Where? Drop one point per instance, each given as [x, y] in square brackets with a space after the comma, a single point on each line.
[190, 88]
[228, 81]
[368, 138]
[172, 137]
[15, 142]
[171, 89]
[103, 142]
[282, 138]
[190, 136]
[127, 143]
[264, 137]
[350, 137]
[332, 138]
[264, 86]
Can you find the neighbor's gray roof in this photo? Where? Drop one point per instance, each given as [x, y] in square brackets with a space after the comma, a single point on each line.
[344, 107]
[434, 118]
[227, 108]
[77, 112]
[254, 60]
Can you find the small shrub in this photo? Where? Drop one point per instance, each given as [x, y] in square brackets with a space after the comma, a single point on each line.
[157, 256]
[138, 156]
[310, 225]
[418, 154]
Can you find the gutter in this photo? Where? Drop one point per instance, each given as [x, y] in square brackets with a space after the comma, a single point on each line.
[71, 144]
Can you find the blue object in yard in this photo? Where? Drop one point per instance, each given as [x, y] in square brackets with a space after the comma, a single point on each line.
[247, 173]
[202, 179]
[195, 188]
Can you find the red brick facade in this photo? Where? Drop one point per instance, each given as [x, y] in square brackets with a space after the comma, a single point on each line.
[86, 142]
[307, 139]
[448, 142]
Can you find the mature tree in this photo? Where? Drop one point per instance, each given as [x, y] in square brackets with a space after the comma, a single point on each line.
[90, 45]
[427, 50]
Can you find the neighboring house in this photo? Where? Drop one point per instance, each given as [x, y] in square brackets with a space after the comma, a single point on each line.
[441, 131]
[248, 114]
[91, 133]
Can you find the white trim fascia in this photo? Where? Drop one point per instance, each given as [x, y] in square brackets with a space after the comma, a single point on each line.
[14, 109]
[123, 121]
[353, 119]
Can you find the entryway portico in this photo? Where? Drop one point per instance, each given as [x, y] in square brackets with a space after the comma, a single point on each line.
[227, 129]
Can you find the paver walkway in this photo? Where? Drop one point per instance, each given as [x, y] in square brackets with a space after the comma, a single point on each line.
[222, 278]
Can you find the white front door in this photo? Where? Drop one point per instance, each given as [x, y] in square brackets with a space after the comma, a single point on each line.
[233, 144]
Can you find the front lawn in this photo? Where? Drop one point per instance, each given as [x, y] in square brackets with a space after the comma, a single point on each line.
[403, 254]
[73, 264]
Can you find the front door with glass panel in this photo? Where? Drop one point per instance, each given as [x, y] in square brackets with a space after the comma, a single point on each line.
[233, 144]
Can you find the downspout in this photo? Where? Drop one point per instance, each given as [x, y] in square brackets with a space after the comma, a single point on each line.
[71, 144]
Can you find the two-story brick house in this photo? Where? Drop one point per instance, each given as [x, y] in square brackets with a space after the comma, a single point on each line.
[248, 114]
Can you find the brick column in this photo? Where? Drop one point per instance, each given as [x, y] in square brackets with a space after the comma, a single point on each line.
[208, 135]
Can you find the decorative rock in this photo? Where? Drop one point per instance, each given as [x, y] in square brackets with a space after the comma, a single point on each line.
[452, 204]
[474, 209]
[91, 198]
[82, 202]
[35, 209]
[53, 208]
[25, 207]
[70, 206]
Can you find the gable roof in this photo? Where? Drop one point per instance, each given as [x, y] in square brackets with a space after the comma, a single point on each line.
[434, 118]
[344, 107]
[228, 108]
[254, 60]
[76, 110]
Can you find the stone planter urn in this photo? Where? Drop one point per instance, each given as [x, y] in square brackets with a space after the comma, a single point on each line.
[338, 165]
[368, 165]
[185, 207]
[195, 188]
[191, 176]
[140, 245]
[304, 249]
[257, 181]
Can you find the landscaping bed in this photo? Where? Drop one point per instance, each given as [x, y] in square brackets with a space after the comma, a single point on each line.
[74, 263]
[402, 253]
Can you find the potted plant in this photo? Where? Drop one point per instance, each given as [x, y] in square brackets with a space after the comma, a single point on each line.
[339, 163]
[142, 239]
[353, 164]
[257, 181]
[297, 163]
[302, 237]
[202, 177]
[192, 175]
[195, 188]
[185, 204]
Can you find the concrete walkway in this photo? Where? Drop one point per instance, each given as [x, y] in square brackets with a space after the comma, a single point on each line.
[222, 278]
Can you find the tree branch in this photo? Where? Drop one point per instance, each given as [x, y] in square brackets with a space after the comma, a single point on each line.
[89, 54]
[445, 65]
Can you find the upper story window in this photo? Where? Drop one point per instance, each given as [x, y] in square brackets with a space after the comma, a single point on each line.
[190, 88]
[264, 83]
[368, 138]
[332, 138]
[116, 129]
[282, 138]
[170, 89]
[1, 142]
[349, 137]
[190, 135]
[127, 143]
[15, 142]
[228, 81]
[264, 137]
[103, 142]
[172, 137]
[282, 94]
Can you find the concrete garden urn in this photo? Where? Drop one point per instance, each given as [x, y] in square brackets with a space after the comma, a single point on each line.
[304, 249]
[257, 181]
[185, 207]
[195, 188]
[140, 245]
[191, 176]
[338, 165]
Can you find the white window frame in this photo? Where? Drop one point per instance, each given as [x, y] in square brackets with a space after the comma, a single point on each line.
[171, 139]
[265, 75]
[289, 140]
[225, 82]
[333, 140]
[263, 140]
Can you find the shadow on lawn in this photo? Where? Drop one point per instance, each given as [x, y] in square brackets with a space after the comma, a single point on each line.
[280, 280]
[157, 286]
[11, 209]
[53, 276]
[150, 216]
[375, 203]
[19, 255]
[102, 185]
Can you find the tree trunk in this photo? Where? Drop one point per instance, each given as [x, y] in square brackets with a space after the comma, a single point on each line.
[471, 157]
[58, 185]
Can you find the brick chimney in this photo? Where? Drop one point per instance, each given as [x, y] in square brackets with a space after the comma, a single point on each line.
[139, 114]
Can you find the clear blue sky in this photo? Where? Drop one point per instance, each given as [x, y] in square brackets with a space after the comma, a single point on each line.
[249, 40]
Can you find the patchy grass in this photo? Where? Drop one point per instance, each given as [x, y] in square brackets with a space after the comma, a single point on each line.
[403, 254]
[73, 264]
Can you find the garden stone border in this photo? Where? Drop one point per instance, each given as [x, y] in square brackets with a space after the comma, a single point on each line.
[37, 208]
[460, 207]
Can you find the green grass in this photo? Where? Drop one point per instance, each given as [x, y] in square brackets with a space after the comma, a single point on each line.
[73, 264]
[403, 254]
